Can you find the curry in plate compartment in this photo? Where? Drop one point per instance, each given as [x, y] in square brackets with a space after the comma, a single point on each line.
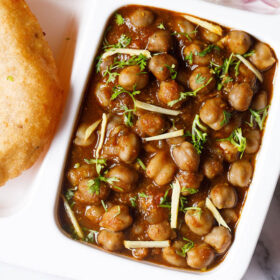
[164, 150]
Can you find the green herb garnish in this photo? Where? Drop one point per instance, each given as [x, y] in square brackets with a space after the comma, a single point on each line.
[189, 58]
[173, 72]
[199, 135]
[207, 50]
[69, 194]
[142, 194]
[258, 116]
[227, 116]
[184, 95]
[104, 205]
[119, 19]
[133, 201]
[189, 245]
[237, 139]
[161, 26]
[141, 163]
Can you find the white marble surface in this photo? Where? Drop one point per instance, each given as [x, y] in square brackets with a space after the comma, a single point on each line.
[265, 264]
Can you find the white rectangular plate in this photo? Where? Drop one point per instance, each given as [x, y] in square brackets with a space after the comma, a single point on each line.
[29, 232]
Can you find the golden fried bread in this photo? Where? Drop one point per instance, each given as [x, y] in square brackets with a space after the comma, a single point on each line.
[31, 98]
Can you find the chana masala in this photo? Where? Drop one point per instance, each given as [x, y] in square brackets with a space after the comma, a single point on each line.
[165, 145]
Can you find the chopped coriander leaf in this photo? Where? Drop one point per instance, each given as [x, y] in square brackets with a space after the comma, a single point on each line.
[207, 50]
[227, 116]
[141, 163]
[94, 161]
[189, 190]
[248, 54]
[186, 34]
[182, 202]
[119, 19]
[100, 163]
[77, 165]
[110, 181]
[128, 115]
[199, 79]
[189, 58]
[215, 68]
[184, 95]
[172, 71]
[197, 210]
[185, 248]
[104, 205]
[161, 26]
[123, 42]
[225, 80]
[91, 235]
[133, 201]
[140, 60]
[117, 90]
[236, 68]
[259, 117]
[10, 78]
[199, 135]
[94, 186]
[163, 199]
[118, 188]
[237, 139]
[227, 63]
[70, 193]
[111, 75]
[141, 194]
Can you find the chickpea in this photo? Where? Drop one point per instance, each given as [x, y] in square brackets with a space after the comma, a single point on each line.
[212, 166]
[189, 181]
[94, 213]
[169, 254]
[240, 96]
[194, 49]
[86, 196]
[253, 139]
[111, 241]
[212, 112]
[240, 173]
[103, 94]
[209, 36]
[117, 218]
[129, 146]
[181, 25]
[75, 175]
[141, 18]
[219, 238]
[161, 168]
[169, 91]
[140, 253]
[259, 101]
[230, 152]
[158, 66]
[186, 157]
[150, 124]
[262, 58]
[131, 78]
[160, 41]
[127, 178]
[229, 215]
[223, 196]
[200, 256]
[159, 232]
[199, 223]
[239, 42]
[200, 77]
